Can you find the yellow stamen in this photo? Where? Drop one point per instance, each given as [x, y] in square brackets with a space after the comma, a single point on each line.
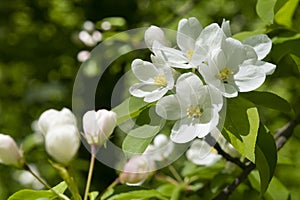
[160, 80]
[190, 53]
[225, 73]
[194, 111]
[213, 150]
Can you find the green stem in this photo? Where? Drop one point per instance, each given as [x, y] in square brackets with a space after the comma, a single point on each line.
[112, 185]
[175, 173]
[61, 196]
[89, 179]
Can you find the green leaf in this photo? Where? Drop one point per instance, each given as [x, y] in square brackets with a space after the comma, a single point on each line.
[130, 108]
[138, 139]
[93, 195]
[28, 194]
[246, 34]
[177, 191]
[296, 59]
[241, 126]
[285, 15]
[139, 194]
[265, 157]
[268, 100]
[276, 189]
[237, 119]
[166, 189]
[265, 10]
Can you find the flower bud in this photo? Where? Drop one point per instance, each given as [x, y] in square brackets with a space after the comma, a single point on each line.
[9, 151]
[98, 126]
[154, 33]
[62, 143]
[136, 171]
[52, 117]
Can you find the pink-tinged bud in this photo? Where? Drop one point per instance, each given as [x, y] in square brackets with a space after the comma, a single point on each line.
[136, 171]
[98, 126]
[62, 143]
[51, 118]
[9, 151]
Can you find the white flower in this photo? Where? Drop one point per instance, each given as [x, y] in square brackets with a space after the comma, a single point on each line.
[62, 143]
[234, 68]
[98, 126]
[193, 41]
[156, 79]
[201, 153]
[136, 170]
[194, 105]
[161, 149]
[51, 118]
[9, 151]
[154, 34]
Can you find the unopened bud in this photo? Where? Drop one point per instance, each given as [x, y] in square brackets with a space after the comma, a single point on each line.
[98, 126]
[9, 151]
[136, 171]
[62, 143]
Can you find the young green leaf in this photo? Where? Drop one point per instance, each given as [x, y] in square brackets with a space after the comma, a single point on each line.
[268, 100]
[139, 194]
[28, 194]
[241, 126]
[285, 14]
[130, 108]
[265, 10]
[138, 139]
[265, 157]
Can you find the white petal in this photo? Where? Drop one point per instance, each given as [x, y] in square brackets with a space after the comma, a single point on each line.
[169, 108]
[212, 36]
[142, 89]
[144, 71]
[155, 95]
[62, 143]
[262, 45]
[90, 127]
[267, 67]
[188, 31]
[154, 33]
[9, 151]
[183, 131]
[230, 91]
[188, 84]
[249, 78]
[226, 28]
[107, 121]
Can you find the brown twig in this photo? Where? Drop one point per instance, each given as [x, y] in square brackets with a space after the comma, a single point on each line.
[281, 137]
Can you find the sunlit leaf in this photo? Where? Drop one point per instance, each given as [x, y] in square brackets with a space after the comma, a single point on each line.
[265, 10]
[285, 15]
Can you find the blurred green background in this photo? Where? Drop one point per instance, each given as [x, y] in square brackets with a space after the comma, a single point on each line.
[42, 45]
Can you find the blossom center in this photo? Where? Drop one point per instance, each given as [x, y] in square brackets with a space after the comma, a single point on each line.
[225, 73]
[194, 111]
[190, 53]
[160, 80]
[213, 150]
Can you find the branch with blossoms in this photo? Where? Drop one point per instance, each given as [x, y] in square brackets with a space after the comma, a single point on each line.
[193, 95]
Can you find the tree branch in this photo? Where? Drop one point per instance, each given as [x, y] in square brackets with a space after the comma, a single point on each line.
[281, 137]
[211, 141]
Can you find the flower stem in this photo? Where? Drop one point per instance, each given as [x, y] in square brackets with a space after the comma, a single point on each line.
[92, 163]
[112, 185]
[61, 196]
[175, 173]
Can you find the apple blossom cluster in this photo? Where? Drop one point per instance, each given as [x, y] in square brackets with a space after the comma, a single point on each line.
[213, 66]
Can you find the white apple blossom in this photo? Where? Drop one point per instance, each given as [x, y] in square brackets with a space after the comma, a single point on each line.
[156, 79]
[193, 41]
[51, 118]
[161, 148]
[136, 170]
[234, 68]
[98, 126]
[9, 151]
[62, 143]
[195, 107]
[201, 153]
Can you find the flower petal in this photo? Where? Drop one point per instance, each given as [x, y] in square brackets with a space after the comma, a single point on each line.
[267, 67]
[155, 95]
[249, 78]
[226, 28]
[169, 108]
[188, 31]
[144, 71]
[154, 33]
[183, 131]
[261, 43]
